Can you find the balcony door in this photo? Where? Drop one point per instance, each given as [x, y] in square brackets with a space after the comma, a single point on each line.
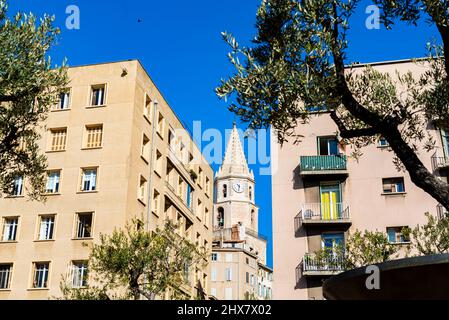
[333, 242]
[330, 197]
[327, 146]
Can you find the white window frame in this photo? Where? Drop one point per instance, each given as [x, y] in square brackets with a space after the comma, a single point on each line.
[5, 275]
[10, 229]
[47, 224]
[41, 276]
[88, 179]
[53, 183]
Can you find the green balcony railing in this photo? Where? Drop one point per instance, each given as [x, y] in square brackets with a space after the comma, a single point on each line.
[323, 163]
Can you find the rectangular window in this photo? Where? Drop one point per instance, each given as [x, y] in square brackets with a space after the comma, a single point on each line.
[145, 151]
[79, 274]
[228, 274]
[147, 108]
[158, 167]
[53, 178]
[213, 274]
[199, 209]
[98, 95]
[46, 227]
[17, 189]
[156, 201]
[171, 140]
[247, 277]
[64, 101]
[93, 136]
[200, 177]
[328, 146]
[228, 257]
[189, 196]
[214, 257]
[40, 277]
[383, 142]
[228, 293]
[58, 139]
[393, 185]
[84, 225]
[395, 235]
[160, 125]
[142, 193]
[10, 225]
[207, 186]
[206, 217]
[5, 275]
[89, 179]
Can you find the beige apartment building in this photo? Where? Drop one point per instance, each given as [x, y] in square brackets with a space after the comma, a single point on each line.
[238, 267]
[320, 193]
[116, 151]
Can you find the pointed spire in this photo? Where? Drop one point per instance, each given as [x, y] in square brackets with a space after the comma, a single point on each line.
[234, 160]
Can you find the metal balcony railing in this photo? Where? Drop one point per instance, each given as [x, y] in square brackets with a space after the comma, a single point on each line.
[322, 213]
[439, 162]
[323, 163]
[312, 264]
[442, 213]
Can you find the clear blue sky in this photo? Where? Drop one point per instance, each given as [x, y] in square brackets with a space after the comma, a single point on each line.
[180, 45]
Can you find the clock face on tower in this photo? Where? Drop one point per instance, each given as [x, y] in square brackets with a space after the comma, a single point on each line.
[238, 187]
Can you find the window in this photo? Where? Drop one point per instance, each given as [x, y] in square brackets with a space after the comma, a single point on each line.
[395, 235]
[145, 152]
[171, 140]
[89, 179]
[83, 225]
[158, 167]
[64, 101]
[213, 274]
[156, 201]
[207, 186]
[247, 260]
[142, 189]
[53, 178]
[214, 257]
[5, 275]
[247, 277]
[93, 136]
[200, 177]
[199, 209]
[79, 274]
[206, 216]
[250, 193]
[58, 139]
[228, 293]
[327, 146]
[10, 228]
[160, 125]
[228, 274]
[189, 195]
[228, 257]
[393, 185]
[220, 217]
[98, 95]
[225, 191]
[46, 227]
[147, 107]
[213, 292]
[383, 142]
[40, 277]
[17, 188]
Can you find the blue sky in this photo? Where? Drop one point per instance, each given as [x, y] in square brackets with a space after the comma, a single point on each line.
[180, 45]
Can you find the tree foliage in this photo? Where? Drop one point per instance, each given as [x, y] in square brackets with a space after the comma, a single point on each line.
[430, 238]
[297, 64]
[133, 262]
[28, 87]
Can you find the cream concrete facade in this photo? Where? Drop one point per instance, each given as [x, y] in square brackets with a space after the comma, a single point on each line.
[299, 193]
[239, 251]
[118, 125]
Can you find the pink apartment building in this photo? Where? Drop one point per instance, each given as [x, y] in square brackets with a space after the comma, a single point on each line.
[320, 193]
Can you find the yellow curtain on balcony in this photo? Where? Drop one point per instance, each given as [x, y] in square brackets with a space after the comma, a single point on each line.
[329, 205]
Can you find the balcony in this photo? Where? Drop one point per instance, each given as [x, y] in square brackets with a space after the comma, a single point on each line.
[441, 163]
[323, 165]
[226, 234]
[329, 266]
[323, 214]
[442, 213]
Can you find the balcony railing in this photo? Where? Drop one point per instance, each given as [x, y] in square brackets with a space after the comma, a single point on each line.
[442, 212]
[226, 234]
[323, 164]
[322, 213]
[439, 162]
[312, 265]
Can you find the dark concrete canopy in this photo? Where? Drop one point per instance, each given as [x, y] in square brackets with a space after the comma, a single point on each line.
[425, 277]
